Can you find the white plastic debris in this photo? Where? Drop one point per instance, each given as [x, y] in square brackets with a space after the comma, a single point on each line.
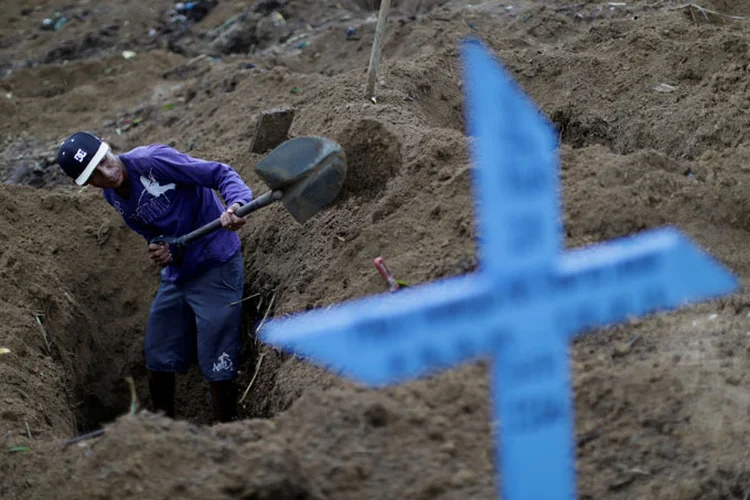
[665, 88]
[278, 19]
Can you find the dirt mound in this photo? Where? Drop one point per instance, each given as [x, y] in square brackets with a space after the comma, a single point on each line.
[649, 102]
[373, 157]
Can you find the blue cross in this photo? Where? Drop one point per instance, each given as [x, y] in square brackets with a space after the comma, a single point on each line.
[523, 306]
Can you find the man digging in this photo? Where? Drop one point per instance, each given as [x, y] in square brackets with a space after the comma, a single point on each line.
[196, 313]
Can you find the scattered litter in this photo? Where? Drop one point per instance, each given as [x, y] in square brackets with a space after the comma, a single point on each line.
[226, 25]
[191, 11]
[169, 106]
[127, 124]
[713, 316]
[175, 18]
[278, 19]
[60, 23]
[9, 95]
[4, 350]
[83, 437]
[152, 32]
[664, 88]
[296, 90]
[249, 65]
[128, 54]
[351, 33]
[303, 45]
[183, 7]
[18, 449]
[374, 100]
[54, 23]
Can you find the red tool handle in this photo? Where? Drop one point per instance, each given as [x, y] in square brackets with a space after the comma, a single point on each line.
[386, 274]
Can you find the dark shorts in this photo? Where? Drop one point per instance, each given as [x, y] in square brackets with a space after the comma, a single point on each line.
[200, 319]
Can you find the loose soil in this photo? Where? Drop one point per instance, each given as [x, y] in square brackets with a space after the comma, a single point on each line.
[650, 103]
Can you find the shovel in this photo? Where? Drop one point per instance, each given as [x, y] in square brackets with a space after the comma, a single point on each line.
[304, 174]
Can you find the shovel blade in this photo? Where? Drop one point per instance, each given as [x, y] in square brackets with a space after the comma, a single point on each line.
[308, 170]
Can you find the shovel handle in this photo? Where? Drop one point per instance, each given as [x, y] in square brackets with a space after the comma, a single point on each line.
[261, 201]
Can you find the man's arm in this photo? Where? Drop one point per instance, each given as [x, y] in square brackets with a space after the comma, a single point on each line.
[168, 164]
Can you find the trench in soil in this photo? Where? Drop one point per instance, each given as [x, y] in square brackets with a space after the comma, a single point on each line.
[101, 394]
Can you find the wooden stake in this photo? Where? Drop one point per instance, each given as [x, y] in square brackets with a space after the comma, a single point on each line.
[372, 70]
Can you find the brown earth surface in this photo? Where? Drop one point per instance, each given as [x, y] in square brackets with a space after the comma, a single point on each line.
[650, 100]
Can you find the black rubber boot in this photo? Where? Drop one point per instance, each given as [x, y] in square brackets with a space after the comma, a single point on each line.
[161, 385]
[224, 400]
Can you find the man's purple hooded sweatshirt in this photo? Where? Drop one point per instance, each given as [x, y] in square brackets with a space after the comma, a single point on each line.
[172, 194]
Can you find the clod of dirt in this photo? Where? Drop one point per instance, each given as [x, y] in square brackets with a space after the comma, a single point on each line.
[580, 131]
[273, 129]
[373, 156]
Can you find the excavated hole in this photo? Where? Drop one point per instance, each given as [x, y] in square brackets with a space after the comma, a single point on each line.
[580, 132]
[114, 350]
[259, 366]
[373, 155]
